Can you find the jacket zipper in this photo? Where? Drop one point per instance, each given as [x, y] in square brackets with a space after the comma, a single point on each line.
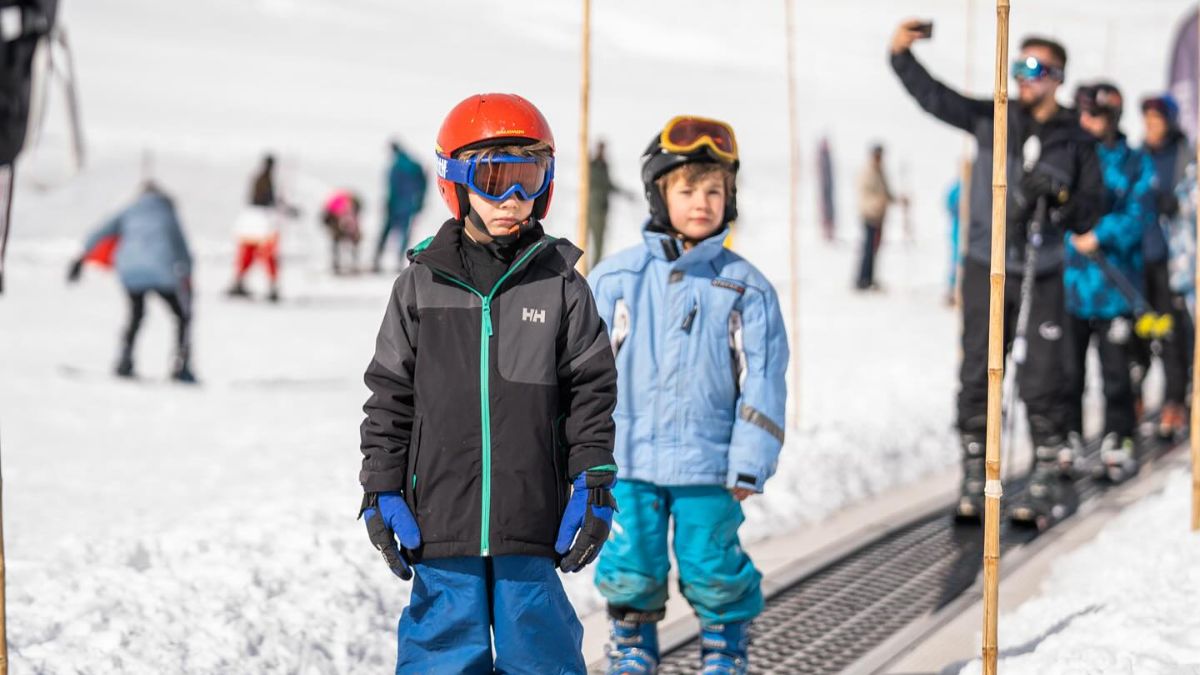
[485, 412]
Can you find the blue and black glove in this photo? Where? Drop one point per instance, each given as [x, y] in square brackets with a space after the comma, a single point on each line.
[388, 517]
[587, 519]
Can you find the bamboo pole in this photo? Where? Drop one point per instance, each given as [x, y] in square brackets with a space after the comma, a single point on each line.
[994, 489]
[793, 207]
[1195, 421]
[585, 166]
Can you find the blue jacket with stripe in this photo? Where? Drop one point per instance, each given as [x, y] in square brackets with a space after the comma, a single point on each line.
[701, 358]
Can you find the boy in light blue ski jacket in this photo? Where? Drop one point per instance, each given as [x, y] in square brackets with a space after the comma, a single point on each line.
[701, 351]
[701, 354]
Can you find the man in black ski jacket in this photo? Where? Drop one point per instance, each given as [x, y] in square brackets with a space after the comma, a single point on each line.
[1066, 176]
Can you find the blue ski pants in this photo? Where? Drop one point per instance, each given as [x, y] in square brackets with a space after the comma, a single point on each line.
[460, 606]
[715, 574]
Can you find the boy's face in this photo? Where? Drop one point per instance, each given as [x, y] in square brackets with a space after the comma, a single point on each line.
[696, 207]
[501, 218]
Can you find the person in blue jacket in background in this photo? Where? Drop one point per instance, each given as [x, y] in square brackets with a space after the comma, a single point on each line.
[953, 202]
[1097, 306]
[406, 196]
[145, 244]
[701, 356]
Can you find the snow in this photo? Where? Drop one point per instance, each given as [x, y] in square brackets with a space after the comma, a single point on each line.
[156, 528]
[1123, 603]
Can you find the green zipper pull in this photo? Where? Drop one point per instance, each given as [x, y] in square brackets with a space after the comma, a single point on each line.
[487, 316]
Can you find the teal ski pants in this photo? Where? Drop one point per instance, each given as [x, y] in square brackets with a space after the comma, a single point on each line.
[715, 574]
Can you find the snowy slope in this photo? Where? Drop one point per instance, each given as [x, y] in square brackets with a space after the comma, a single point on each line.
[158, 529]
[1124, 603]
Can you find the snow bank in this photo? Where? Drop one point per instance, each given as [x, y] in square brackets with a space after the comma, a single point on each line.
[1124, 603]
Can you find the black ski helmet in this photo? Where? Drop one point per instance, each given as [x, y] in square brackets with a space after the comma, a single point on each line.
[657, 162]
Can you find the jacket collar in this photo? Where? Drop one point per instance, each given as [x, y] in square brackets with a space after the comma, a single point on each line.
[443, 251]
[664, 246]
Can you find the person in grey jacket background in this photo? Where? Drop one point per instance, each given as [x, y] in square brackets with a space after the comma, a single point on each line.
[146, 246]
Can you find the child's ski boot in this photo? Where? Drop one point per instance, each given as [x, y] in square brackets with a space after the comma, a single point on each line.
[725, 648]
[634, 648]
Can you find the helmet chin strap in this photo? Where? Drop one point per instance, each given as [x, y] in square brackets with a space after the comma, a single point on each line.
[510, 237]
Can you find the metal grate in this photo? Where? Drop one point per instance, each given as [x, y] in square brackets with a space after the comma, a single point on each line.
[830, 619]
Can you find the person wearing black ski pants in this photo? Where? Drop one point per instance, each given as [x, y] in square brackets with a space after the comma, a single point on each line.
[1113, 341]
[1041, 377]
[179, 306]
[1065, 175]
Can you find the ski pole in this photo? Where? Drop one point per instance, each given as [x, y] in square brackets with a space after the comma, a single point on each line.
[1150, 324]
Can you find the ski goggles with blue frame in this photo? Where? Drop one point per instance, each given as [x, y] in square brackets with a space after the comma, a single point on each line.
[499, 177]
[1030, 68]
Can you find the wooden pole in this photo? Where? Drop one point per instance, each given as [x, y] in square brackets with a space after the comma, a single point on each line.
[993, 489]
[793, 208]
[585, 166]
[1195, 422]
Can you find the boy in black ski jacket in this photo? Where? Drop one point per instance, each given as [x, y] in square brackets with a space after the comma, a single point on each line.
[493, 386]
[1066, 177]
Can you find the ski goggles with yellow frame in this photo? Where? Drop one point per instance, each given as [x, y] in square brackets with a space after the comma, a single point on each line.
[686, 134]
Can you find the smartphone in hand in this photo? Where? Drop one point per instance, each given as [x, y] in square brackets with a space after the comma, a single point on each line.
[925, 29]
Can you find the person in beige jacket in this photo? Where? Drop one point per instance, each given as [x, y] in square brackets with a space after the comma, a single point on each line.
[874, 197]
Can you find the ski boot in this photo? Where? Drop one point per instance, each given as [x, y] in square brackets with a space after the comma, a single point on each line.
[1118, 458]
[970, 500]
[634, 648]
[1172, 421]
[1078, 451]
[182, 371]
[1067, 455]
[273, 295]
[125, 363]
[725, 648]
[238, 290]
[1043, 503]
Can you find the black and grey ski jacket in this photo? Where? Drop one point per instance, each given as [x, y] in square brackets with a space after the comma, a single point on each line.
[1067, 152]
[485, 401]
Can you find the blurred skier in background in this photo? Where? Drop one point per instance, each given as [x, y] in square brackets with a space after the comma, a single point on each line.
[146, 245]
[1101, 266]
[601, 187]
[953, 203]
[874, 198]
[1065, 181]
[257, 231]
[825, 179]
[406, 196]
[340, 215]
[1168, 148]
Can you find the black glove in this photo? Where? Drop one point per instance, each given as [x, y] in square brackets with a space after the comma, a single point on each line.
[586, 520]
[1035, 184]
[1166, 203]
[75, 270]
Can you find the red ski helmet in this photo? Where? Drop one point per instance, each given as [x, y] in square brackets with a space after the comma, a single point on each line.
[490, 119]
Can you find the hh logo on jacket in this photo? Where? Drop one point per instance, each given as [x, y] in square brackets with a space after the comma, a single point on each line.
[533, 315]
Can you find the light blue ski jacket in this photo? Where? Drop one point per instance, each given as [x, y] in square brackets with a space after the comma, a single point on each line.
[701, 357]
[151, 250]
